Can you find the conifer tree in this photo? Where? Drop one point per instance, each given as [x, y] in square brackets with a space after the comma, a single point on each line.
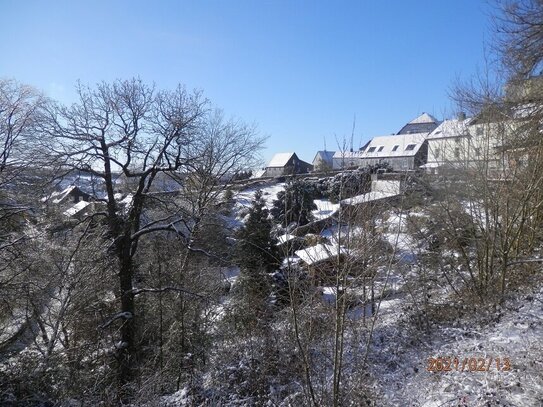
[295, 203]
[256, 247]
[256, 254]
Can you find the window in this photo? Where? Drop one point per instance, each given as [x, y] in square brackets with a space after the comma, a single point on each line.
[436, 152]
[457, 153]
[395, 147]
[479, 131]
[380, 149]
[457, 140]
[477, 152]
[371, 149]
[410, 147]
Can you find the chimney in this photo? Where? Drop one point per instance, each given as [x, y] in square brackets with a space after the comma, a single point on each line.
[461, 116]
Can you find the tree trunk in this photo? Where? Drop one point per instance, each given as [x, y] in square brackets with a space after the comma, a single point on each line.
[127, 345]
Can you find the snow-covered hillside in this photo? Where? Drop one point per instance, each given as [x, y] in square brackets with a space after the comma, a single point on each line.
[514, 332]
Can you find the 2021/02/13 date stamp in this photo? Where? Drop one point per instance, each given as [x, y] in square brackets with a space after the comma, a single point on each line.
[468, 364]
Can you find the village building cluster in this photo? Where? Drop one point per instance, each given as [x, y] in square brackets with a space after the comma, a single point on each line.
[423, 144]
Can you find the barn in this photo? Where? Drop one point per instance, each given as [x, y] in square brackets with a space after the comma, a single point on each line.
[286, 164]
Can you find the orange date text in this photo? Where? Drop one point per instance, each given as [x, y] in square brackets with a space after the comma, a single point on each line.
[468, 364]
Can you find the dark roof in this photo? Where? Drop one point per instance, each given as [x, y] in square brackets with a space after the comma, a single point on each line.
[425, 123]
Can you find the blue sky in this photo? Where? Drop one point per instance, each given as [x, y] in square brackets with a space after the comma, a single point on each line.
[299, 70]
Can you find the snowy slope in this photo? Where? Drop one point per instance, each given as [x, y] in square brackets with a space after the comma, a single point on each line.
[399, 363]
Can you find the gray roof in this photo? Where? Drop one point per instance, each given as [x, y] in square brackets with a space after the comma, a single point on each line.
[348, 154]
[451, 128]
[280, 159]
[395, 145]
[424, 118]
[325, 155]
[423, 123]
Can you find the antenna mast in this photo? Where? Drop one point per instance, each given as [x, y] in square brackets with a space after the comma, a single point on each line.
[352, 133]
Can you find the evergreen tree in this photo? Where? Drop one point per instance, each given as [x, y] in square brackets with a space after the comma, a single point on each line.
[295, 203]
[256, 247]
[256, 254]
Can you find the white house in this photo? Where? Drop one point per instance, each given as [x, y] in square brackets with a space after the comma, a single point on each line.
[465, 143]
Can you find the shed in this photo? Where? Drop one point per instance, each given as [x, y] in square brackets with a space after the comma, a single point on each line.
[320, 253]
[321, 260]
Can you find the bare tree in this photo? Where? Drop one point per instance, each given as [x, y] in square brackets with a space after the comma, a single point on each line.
[129, 129]
[20, 109]
[499, 156]
[20, 106]
[520, 36]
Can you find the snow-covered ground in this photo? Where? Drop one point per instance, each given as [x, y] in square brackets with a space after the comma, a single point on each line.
[245, 198]
[515, 333]
[399, 359]
[399, 354]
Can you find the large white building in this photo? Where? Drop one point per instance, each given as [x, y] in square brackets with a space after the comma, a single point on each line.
[465, 143]
[405, 151]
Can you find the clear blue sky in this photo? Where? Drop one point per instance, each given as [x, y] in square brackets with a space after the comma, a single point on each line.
[300, 70]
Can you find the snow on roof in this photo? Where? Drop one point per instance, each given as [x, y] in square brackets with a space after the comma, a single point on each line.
[324, 155]
[258, 173]
[319, 253]
[367, 197]
[58, 197]
[430, 165]
[78, 207]
[348, 154]
[127, 200]
[451, 128]
[285, 238]
[325, 209]
[280, 159]
[400, 145]
[424, 118]
[290, 261]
